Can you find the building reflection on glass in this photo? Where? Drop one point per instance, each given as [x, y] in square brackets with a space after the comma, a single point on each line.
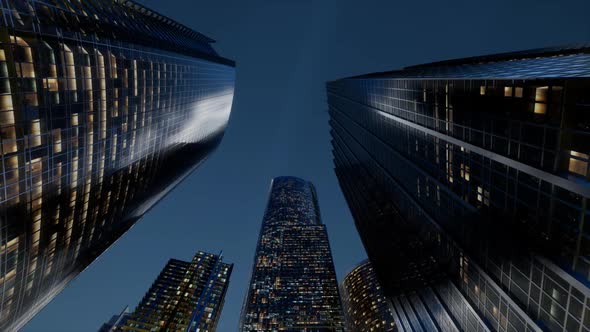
[96, 126]
[468, 182]
[293, 285]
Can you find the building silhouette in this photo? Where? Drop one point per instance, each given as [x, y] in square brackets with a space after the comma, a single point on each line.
[293, 285]
[105, 106]
[186, 296]
[468, 182]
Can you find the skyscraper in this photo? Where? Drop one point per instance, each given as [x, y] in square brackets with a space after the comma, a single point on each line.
[293, 285]
[365, 306]
[115, 321]
[468, 182]
[105, 106]
[186, 296]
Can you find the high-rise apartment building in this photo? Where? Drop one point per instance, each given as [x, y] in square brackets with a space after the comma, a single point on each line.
[365, 306]
[105, 106]
[186, 296]
[293, 285]
[468, 181]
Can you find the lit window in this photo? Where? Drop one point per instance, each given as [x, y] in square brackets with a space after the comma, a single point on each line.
[6, 102]
[508, 91]
[70, 68]
[7, 118]
[8, 135]
[35, 133]
[86, 69]
[50, 84]
[540, 99]
[465, 171]
[540, 108]
[578, 163]
[57, 140]
[518, 92]
[482, 90]
[541, 94]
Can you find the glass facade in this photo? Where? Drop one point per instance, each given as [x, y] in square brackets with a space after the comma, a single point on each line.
[104, 107]
[473, 175]
[186, 296]
[365, 306]
[293, 285]
[115, 321]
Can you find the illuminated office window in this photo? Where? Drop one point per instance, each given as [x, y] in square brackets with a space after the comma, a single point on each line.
[6, 105]
[35, 138]
[70, 68]
[50, 84]
[86, 70]
[540, 108]
[541, 94]
[578, 163]
[57, 147]
[540, 100]
[465, 172]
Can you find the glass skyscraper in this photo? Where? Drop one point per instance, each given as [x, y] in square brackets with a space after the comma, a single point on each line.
[105, 106]
[186, 296]
[468, 181]
[365, 306]
[115, 321]
[293, 285]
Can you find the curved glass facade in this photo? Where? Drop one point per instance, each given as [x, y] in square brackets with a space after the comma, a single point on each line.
[293, 285]
[365, 306]
[473, 174]
[96, 126]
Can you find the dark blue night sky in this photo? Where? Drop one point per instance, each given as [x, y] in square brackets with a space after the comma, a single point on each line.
[285, 52]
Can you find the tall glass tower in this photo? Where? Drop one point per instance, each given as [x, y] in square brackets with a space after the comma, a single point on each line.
[365, 306]
[105, 106]
[469, 184]
[186, 296]
[293, 285]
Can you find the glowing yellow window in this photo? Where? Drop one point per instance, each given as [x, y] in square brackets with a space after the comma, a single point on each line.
[57, 140]
[482, 90]
[50, 84]
[578, 163]
[35, 133]
[8, 135]
[540, 108]
[518, 92]
[541, 93]
[70, 67]
[540, 99]
[7, 118]
[508, 91]
[6, 102]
